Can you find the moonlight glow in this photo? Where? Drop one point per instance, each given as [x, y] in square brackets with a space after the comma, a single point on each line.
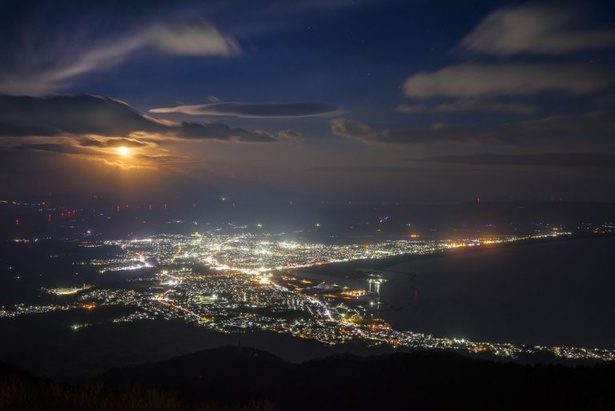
[123, 151]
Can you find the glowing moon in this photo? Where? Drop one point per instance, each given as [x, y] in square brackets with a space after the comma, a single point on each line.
[123, 151]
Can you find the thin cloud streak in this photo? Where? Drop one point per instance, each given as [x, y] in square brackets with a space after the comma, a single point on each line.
[538, 160]
[253, 110]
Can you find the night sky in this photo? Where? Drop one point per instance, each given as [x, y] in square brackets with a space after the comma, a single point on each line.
[323, 100]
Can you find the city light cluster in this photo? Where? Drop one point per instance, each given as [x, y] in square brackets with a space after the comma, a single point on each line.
[249, 282]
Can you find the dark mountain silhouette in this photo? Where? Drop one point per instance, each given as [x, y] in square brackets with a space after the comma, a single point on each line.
[241, 378]
[20, 391]
[414, 381]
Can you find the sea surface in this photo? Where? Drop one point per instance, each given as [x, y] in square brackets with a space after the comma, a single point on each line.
[558, 293]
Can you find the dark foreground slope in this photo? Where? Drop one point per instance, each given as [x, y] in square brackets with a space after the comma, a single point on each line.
[233, 378]
[416, 381]
[20, 391]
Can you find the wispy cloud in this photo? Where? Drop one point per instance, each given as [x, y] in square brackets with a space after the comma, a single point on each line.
[53, 63]
[200, 38]
[289, 135]
[49, 71]
[535, 29]
[253, 110]
[473, 80]
[544, 30]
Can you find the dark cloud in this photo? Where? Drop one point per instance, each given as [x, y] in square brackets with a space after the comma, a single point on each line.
[22, 116]
[84, 147]
[467, 105]
[364, 133]
[25, 130]
[535, 29]
[253, 110]
[593, 130]
[217, 131]
[53, 148]
[544, 159]
[114, 142]
[77, 115]
[362, 169]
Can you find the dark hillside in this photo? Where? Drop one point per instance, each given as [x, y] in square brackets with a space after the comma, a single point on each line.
[421, 380]
[233, 378]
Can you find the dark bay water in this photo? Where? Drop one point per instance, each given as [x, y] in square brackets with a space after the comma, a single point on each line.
[554, 293]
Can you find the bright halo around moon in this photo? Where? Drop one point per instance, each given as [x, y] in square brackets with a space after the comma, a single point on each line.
[123, 151]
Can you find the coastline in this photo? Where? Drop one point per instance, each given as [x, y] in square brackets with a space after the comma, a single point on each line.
[335, 268]
[537, 292]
